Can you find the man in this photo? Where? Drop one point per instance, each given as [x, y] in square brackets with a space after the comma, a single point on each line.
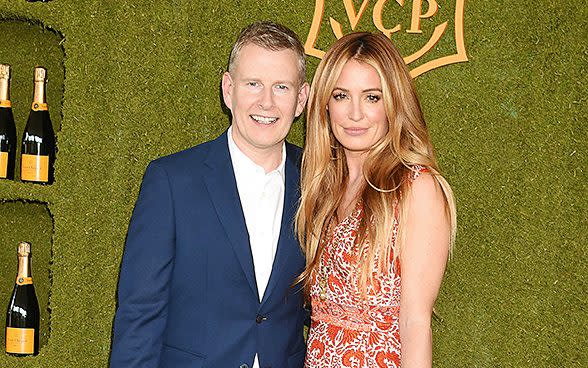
[211, 253]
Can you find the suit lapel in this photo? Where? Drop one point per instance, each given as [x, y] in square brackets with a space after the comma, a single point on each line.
[287, 244]
[222, 188]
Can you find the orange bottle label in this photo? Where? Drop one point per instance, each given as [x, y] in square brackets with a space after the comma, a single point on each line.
[5, 103]
[20, 340]
[24, 280]
[34, 168]
[3, 164]
[36, 106]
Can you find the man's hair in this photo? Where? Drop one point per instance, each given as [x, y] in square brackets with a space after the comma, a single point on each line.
[271, 36]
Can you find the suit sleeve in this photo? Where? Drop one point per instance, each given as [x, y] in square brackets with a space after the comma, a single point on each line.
[145, 275]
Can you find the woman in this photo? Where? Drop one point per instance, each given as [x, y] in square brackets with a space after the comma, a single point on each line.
[376, 220]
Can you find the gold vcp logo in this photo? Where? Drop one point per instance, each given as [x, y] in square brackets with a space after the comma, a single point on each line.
[383, 17]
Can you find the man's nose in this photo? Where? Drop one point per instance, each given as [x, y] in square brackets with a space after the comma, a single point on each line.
[266, 100]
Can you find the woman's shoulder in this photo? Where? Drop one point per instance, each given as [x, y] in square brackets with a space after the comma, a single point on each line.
[425, 187]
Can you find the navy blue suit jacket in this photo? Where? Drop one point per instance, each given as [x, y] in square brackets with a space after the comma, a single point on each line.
[187, 292]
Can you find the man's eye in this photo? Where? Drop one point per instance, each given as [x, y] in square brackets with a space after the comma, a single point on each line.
[282, 87]
[252, 84]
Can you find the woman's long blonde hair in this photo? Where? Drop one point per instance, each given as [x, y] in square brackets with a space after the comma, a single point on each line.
[387, 167]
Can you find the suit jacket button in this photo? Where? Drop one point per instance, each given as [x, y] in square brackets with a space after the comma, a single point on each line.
[243, 366]
[260, 318]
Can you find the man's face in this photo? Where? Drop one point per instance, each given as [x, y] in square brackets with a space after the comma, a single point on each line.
[264, 95]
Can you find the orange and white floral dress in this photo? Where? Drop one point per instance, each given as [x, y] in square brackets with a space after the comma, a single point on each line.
[347, 330]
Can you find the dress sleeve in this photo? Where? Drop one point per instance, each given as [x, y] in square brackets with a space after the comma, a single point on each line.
[416, 171]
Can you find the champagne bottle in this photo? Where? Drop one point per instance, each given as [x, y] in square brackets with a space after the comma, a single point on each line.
[38, 139]
[22, 317]
[7, 127]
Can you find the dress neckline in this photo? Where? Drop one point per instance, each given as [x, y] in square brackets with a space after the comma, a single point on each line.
[354, 213]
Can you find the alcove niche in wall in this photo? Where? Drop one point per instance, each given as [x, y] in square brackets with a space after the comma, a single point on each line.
[25, 45]
[24, 212]
[31, 222]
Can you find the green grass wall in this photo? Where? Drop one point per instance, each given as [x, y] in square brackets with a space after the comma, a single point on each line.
[130, 81]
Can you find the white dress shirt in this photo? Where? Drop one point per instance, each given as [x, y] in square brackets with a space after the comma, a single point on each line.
[262, 200]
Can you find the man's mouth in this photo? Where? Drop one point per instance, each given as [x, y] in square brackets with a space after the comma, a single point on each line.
[263, 119]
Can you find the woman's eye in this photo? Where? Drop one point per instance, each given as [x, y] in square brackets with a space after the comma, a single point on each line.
[373, 98]
[339, 96]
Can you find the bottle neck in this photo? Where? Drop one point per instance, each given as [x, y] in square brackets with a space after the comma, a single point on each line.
[39, 92]
[4, 89]
[24, 266]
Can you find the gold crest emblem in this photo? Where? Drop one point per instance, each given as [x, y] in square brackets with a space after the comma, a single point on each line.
[380, 10]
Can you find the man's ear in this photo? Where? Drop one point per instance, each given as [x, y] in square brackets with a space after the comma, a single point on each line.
[227, 87]
[302, 97]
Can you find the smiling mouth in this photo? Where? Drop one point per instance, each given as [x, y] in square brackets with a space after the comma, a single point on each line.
[265, 120]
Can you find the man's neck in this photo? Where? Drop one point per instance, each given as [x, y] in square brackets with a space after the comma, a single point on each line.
[268, 158]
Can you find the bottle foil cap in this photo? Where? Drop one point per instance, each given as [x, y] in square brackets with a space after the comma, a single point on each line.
[4, 71]
[40, 74]
[24, 248]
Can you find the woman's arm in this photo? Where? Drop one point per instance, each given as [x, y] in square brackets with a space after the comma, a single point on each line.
[423, 258]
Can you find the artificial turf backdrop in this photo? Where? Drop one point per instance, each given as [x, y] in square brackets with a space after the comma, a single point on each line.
[130, 81]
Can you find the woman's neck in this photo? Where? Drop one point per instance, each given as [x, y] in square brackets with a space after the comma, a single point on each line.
[355, 162]
[353, 186]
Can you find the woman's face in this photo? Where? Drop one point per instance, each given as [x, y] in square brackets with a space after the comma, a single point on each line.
[356, 108]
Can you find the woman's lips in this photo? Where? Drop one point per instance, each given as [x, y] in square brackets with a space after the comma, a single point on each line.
[355, 131]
